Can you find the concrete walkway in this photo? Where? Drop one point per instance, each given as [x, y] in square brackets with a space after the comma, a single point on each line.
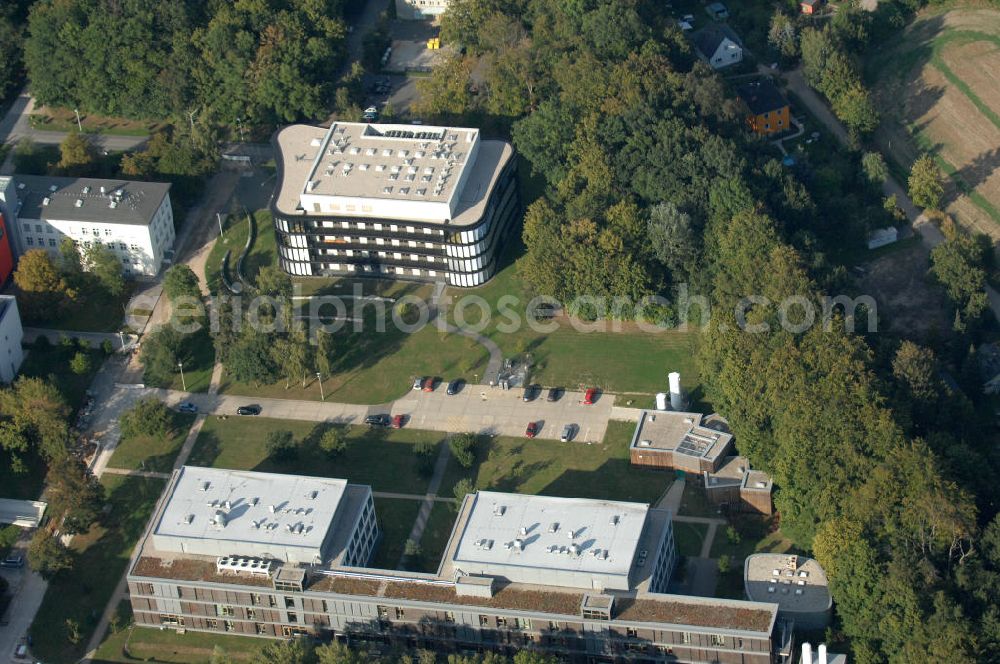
[495, 361]
[417, 532]
[94, 338]
[672, 498]
[131, 472]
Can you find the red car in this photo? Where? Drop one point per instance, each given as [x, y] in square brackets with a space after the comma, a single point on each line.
[397, 422]
[589, 396]
[429, 384]
[532, 430]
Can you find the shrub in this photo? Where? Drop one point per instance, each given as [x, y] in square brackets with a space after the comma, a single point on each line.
[81, 363]
[149, 417]
[333, 442]
[463, 448]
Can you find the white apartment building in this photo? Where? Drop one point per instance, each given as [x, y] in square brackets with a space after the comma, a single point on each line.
[134, 219]
[11, 333]
[416, 10]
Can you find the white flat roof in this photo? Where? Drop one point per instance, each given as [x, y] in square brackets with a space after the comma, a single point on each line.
[405, 172]
[551, 528]
[213, 505]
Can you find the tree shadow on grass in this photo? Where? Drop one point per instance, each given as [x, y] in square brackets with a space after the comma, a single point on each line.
[206, 449]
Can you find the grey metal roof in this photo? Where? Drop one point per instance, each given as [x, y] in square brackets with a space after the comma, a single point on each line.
[134, 202]
[707, 41]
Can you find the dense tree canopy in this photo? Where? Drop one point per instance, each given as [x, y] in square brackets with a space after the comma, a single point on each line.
[260, 61]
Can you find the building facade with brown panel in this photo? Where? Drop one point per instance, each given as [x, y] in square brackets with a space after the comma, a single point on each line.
[605, 607]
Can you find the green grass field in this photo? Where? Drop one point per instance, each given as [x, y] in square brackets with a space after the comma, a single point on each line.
[562, 469]
[380, 367]
[101, 556]
[147, 453]
[395, 519]
[435, 537]
[382, 458]
[154, 645]
[690, 537]
[629, 361]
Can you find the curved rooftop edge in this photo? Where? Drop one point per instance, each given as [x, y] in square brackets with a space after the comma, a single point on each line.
[797, 584]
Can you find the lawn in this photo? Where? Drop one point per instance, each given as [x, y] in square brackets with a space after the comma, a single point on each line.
[151, 644]
[627, 361]
[395, 517]
[199, 363]
[234, 238]
[435, 537]
[51, 118]
[757, 534]
[148, 453]
[382, 458]
[690, 537]
[101, 556]
[562, 469]
[694, 502]
[380, 367]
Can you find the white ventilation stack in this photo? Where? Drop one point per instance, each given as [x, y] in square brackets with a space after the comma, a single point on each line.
[676, 398]
[821, 653]
[661, 401]
[807, 653]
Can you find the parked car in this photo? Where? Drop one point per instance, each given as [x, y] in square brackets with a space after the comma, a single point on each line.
[187, 407]
[567, 433]
[429, 384]
[530, 392]
[397, 421]
[590, 396]
[555, 393]
[248, 410]
[419, 382]
[532, 430]
[12, 561]
[455, 386]
[370, 114]
[379, 420]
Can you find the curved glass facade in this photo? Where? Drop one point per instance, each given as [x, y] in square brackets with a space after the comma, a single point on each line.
[317, 245]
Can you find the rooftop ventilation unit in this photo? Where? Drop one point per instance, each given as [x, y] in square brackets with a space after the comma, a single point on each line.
[645, 443]
[254, 501]
[189, 519]
[78, 203]
[523, 531]
[103, 190]
[271, 508]
[615, 519]
[20, 185]
[314, 494]
[499, 510]
[113, 204]
[86, 190]
[554, 526]
[519, 544]
[219, 519]
[574, 549]
[45, 201]
[52, 187]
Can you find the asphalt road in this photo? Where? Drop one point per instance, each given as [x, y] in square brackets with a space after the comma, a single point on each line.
[14, 126]
[476, 408]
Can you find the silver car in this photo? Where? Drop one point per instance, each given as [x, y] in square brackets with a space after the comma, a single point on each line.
[567, 433]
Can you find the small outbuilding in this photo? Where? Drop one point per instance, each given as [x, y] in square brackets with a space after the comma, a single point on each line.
[810, 7]
[718, 11]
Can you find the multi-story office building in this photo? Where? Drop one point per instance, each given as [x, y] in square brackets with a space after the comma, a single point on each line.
[420, 9]
[133, 219]
[584, 579]
[397, 201]
[11, 333]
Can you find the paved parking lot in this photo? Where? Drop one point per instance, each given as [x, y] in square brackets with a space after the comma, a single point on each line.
[476, 408]
[501, 412]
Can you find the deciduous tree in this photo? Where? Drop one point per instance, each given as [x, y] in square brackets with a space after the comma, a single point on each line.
[925, 186]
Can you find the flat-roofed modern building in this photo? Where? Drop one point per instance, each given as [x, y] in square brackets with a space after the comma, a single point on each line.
[396, 201]
[738, 488]
[798, 585]
[554, 591]
[133, 219]
[682, 441]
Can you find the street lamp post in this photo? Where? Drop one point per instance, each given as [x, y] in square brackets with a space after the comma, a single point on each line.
[239, 125]
[180, 365]
[121, 339]
[219, 218]
[79, 124]
[319, 379]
